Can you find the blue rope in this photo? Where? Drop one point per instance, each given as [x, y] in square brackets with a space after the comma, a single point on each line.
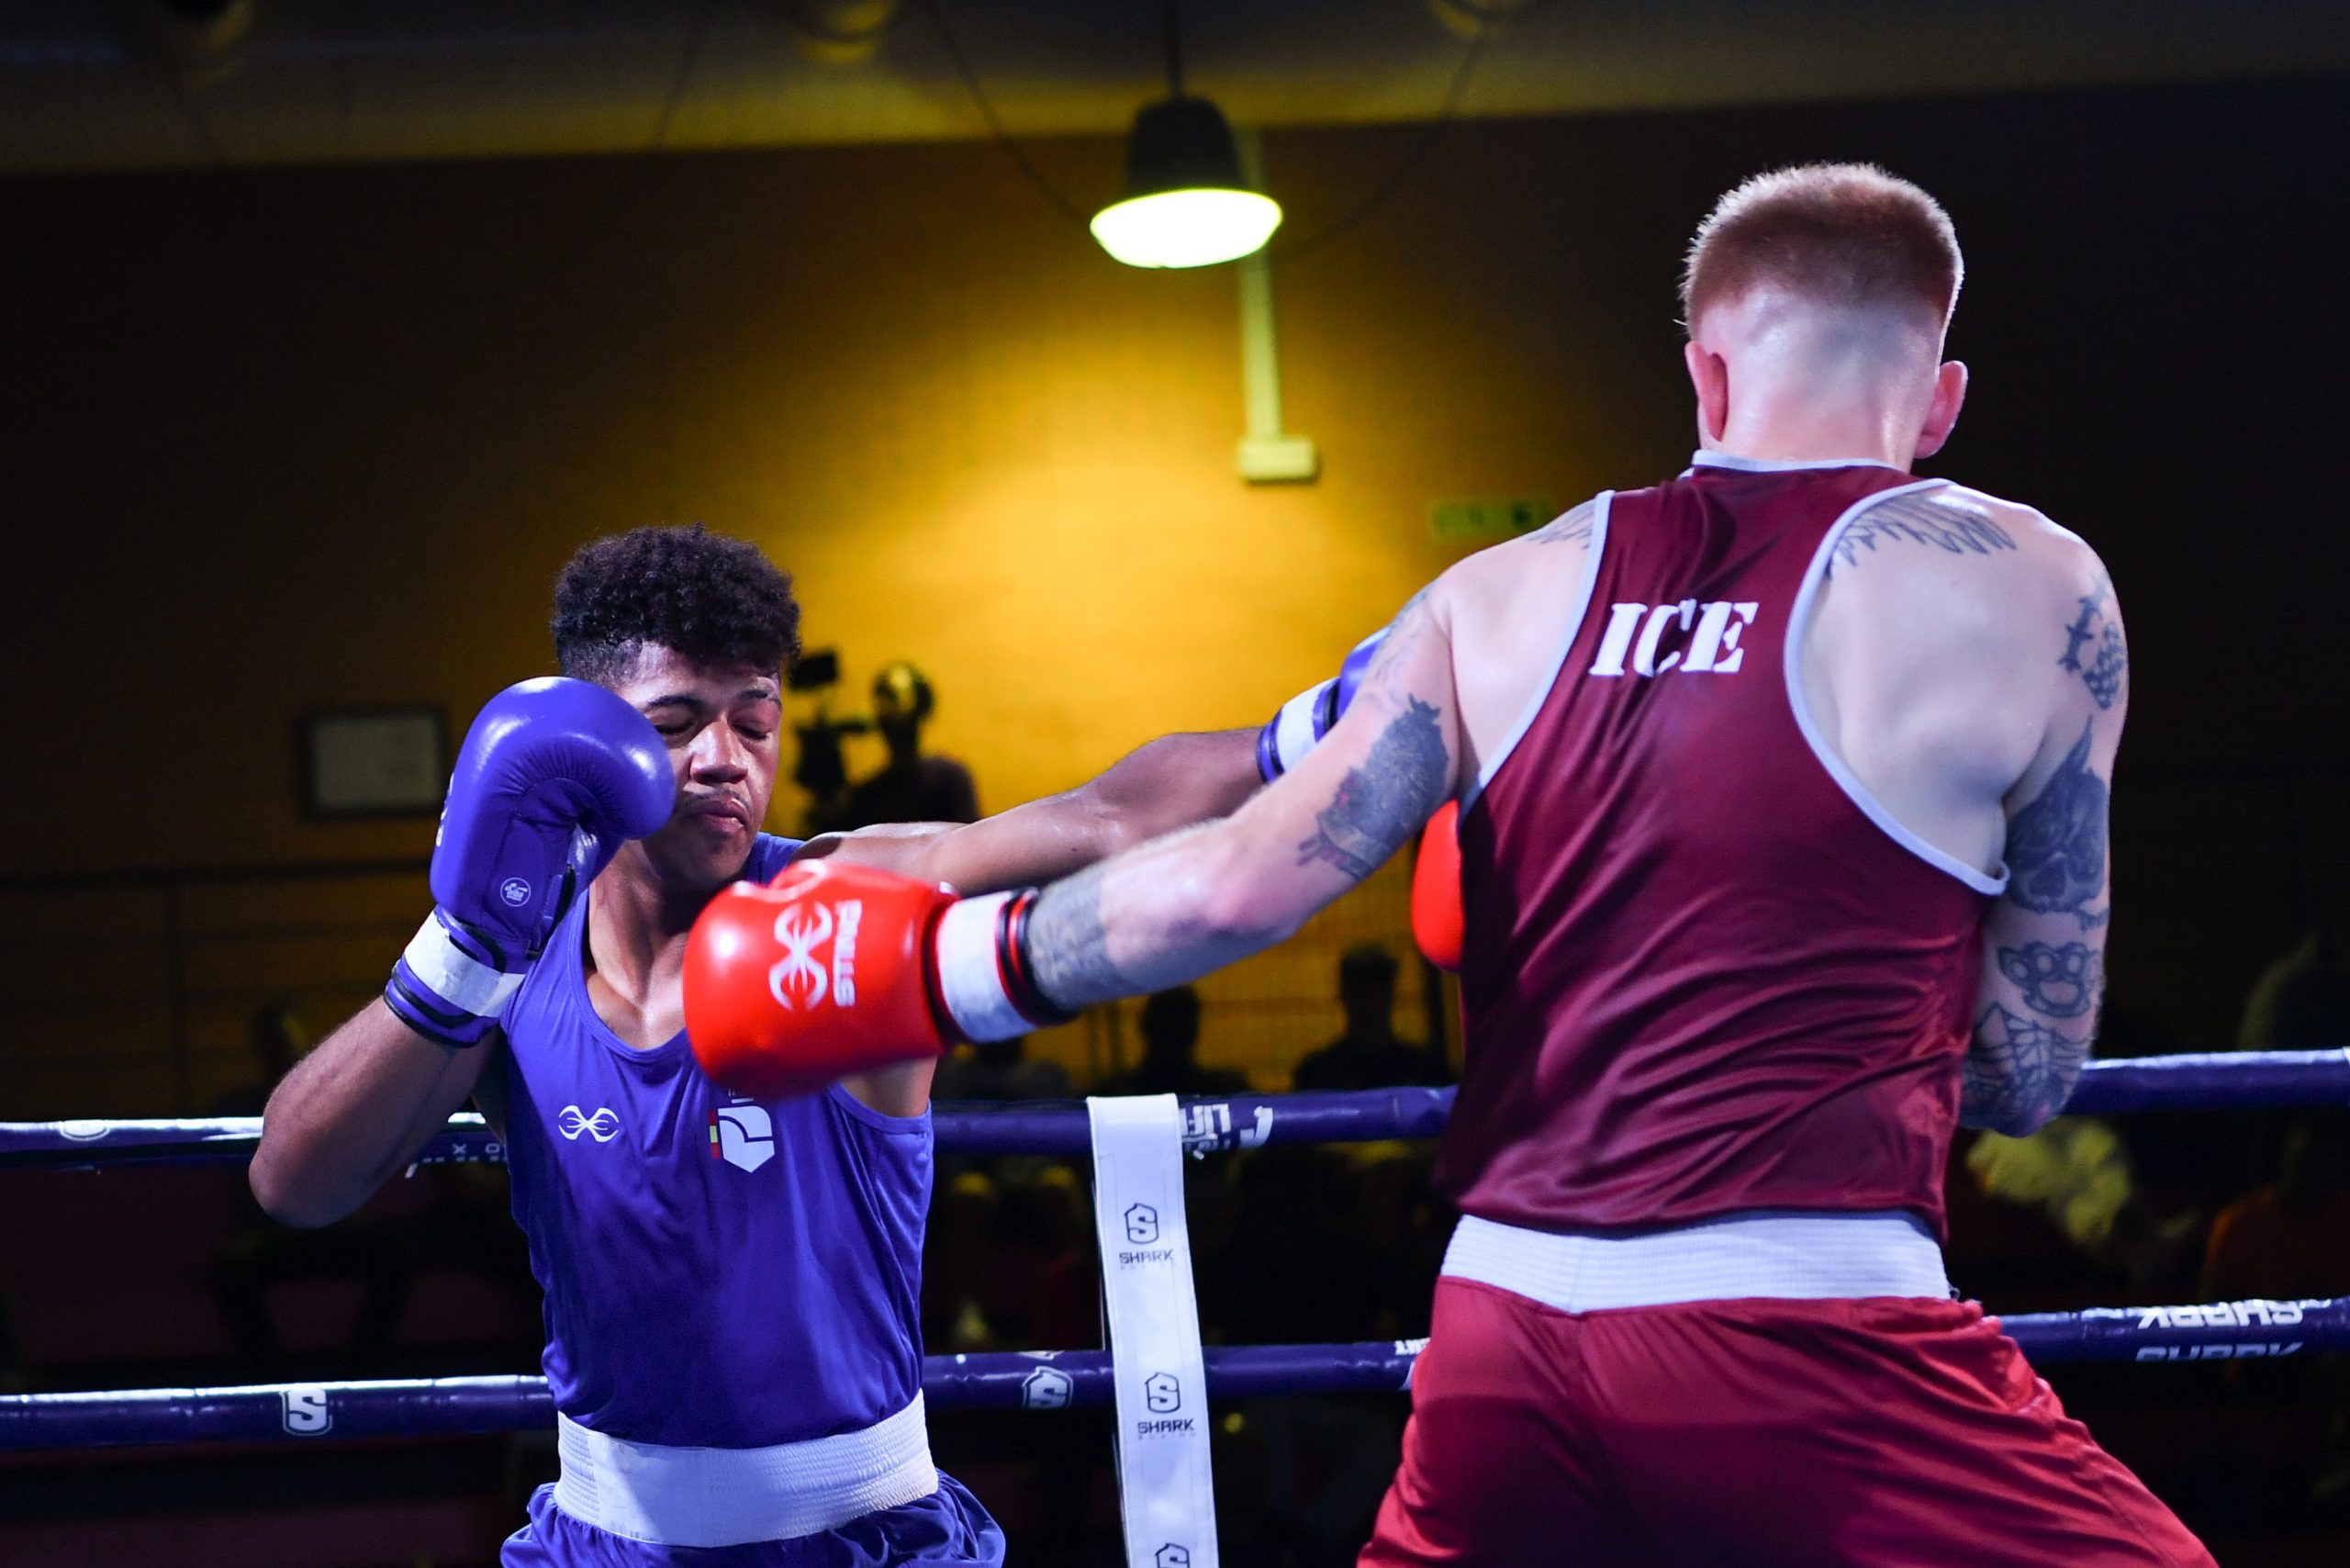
[2219, 1081]
[1038, 1381]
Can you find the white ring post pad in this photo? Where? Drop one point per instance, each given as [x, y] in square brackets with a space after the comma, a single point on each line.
[1166, 1495]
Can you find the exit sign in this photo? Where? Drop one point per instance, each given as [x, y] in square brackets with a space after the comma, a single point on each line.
[1489, 517]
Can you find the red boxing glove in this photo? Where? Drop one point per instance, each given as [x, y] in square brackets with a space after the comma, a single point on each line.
[1437, 916]
[833, 969]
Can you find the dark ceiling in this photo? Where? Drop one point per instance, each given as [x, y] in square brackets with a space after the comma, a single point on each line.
[133, 84]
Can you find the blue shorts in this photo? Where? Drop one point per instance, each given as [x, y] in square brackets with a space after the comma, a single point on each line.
[949, 1529]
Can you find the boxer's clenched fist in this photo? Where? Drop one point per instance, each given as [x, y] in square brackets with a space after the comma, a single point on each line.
[1438, 919]
[836, 969]
[554, 775]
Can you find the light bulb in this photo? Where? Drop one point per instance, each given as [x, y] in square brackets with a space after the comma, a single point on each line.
[1195, 227]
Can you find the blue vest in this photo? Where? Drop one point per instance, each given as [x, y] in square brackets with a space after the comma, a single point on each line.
[720, 1272]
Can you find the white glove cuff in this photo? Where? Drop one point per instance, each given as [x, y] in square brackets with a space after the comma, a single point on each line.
[455, 976]
[970, 970]
[1293, 734]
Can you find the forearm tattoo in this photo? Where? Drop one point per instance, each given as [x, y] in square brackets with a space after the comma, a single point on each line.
[1068, 946]
[2019, 1072]
[1377, 806]
[1954, 526]
[2094, 648]
[2056, 844]
[1385, 800]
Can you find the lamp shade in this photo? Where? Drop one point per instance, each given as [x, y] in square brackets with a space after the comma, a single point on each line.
[1187, 203]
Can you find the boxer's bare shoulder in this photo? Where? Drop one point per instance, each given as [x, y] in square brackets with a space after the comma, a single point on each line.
[1952, 633]
[1945, 531]
[1932, 574]
[1505, 608]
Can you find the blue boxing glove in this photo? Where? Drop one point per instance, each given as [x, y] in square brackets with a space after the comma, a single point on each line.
[554, 777]
[1305, 718]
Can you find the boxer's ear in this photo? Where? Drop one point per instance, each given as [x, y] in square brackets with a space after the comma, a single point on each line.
[1941, 411]
[1709, 376]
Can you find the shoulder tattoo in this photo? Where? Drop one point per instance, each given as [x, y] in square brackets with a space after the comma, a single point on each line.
[1568, 528]
[1953, 526]
[2094, 648]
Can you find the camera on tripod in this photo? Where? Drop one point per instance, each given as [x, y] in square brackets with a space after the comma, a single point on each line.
[823, 768]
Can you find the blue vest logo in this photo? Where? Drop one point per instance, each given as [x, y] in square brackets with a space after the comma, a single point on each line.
[603, 1126]
[742, 1136]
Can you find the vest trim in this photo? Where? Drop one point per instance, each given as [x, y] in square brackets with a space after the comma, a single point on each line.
[1601, 504]
[1780, 464]
[1990, 884]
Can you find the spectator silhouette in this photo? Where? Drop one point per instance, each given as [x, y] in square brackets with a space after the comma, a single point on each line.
[1369, 1054]
[260, 1254]
[2301, 1003]
[276, 1037]
[912, 788]
[1170, 1036]
[1301, 1269]
[1000, 1069]
[2290, 1238]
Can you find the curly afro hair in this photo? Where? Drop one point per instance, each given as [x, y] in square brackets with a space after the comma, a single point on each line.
[716, 601]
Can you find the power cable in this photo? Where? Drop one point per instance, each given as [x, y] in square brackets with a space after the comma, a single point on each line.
[1020, 160]
[1416, 153]
[630, 186]
[639, 173]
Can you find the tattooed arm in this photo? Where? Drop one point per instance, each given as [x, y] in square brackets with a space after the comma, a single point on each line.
[1182, 905]
[2044, 961]
[1168, 783]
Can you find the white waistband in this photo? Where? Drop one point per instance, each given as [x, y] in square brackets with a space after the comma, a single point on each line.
[1801, 1257]
[681, 1496]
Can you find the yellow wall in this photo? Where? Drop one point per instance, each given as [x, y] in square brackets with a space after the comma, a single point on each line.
[293, 440]
[330, 455]
[320, 439]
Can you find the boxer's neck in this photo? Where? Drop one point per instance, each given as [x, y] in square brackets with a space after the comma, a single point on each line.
[1781, 378]
[1796, 431]
[638, 923]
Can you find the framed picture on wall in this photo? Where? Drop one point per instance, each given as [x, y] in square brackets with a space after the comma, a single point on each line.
[375, 762]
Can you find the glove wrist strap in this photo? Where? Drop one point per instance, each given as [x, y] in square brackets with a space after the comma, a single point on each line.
[1301, 722]
[983, 971]
[442, 990]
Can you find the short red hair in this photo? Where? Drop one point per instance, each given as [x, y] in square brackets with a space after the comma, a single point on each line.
[1845, 234]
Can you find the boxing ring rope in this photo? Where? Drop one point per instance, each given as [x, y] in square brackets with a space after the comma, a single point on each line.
[2221, 1080]
[1015, 1380]
[1056, 1380]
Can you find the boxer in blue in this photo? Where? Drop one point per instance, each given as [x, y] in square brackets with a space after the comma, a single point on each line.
[731, 1284]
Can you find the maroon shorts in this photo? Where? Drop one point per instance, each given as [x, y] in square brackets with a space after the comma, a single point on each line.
[1886, 1431]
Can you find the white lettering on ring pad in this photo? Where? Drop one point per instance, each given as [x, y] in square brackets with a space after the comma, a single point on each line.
[1166, 1492]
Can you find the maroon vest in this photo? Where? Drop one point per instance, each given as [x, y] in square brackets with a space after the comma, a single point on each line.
[1701, 975]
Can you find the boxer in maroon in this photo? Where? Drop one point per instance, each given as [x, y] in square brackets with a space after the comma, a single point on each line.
[1782, 793]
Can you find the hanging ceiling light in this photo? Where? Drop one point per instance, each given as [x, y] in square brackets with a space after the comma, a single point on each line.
[1187, 203]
